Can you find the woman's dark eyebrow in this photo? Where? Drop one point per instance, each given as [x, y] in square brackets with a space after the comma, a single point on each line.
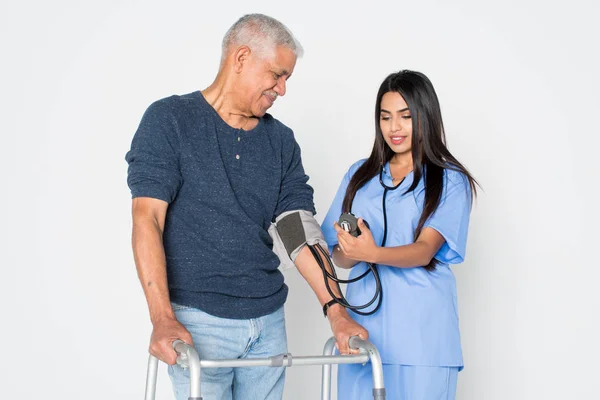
[386, 111]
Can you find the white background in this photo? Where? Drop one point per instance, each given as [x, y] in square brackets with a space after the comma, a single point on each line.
[518, 85]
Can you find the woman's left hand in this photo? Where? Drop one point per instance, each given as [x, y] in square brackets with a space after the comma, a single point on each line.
[361, 248]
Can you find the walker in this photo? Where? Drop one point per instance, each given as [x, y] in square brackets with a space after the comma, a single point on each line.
[187, 357]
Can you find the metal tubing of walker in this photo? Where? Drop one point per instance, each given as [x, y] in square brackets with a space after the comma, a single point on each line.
[329, 349]
[151, 378]
[187, 357]
[376, 365]
[373, 355]
[285, 360]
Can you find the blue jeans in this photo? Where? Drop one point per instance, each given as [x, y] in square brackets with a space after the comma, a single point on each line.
[218, 338]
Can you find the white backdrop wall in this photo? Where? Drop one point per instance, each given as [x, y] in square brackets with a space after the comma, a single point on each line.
[518, 85]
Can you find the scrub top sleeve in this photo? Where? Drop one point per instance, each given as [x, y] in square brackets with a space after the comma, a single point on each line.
[335, 210]
[451, 219]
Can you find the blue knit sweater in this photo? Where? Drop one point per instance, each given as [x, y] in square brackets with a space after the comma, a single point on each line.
[224, 186]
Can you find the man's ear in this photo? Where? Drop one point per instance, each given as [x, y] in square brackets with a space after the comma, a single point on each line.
[241, 56]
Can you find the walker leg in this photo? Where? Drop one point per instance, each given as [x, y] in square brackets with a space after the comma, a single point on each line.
[376, 364]
[188, 357]
[326, 374]
[151, 378]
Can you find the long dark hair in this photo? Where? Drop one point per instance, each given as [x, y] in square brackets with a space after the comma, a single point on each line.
[429, 152]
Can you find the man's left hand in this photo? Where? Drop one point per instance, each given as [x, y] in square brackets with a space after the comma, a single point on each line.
[343, 328]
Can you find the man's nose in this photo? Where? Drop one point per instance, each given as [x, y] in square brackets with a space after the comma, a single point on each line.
[280, 88]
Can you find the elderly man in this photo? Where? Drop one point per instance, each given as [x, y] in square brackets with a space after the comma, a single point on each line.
[209, 171]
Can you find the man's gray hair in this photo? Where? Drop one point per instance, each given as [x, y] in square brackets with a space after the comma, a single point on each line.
[262, 34]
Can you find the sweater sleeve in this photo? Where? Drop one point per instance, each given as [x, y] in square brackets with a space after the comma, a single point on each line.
[154, 155]
[295, 193]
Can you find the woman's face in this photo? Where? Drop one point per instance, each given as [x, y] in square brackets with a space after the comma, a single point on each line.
[396, 123]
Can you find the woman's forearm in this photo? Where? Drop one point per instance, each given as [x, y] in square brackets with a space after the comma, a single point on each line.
[412, 255]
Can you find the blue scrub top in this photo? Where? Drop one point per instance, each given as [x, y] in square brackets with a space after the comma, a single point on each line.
[417, 323]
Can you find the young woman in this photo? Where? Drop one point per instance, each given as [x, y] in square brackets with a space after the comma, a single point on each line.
[416, 198]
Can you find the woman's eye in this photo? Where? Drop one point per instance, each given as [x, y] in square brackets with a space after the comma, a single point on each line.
[407, 117]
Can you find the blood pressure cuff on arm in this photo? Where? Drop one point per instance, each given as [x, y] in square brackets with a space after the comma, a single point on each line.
[291, 231]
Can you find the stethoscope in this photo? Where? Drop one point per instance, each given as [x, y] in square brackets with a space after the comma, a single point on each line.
[372, 268]
[386, 189]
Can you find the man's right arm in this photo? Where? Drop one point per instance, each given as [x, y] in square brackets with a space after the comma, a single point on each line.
[148, 225]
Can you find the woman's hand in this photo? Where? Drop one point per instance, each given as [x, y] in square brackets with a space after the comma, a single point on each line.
[361, 248]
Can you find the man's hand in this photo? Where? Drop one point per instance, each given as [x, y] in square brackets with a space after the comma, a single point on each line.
[164, 333]
[343, 328]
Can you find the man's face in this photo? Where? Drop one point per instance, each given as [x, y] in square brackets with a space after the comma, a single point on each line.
[264, 79]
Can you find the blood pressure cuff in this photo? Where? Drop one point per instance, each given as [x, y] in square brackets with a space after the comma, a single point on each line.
[290, 232]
